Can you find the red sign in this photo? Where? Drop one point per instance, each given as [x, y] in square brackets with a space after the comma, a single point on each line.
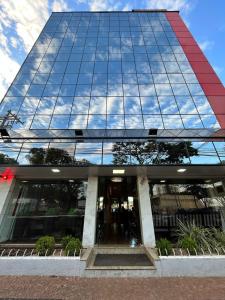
[7, 176]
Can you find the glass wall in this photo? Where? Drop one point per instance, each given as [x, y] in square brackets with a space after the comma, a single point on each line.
[201, 203]
[113, 153]
[108, 71]
[44, 208]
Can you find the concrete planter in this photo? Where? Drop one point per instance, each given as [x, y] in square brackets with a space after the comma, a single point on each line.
[166, 266]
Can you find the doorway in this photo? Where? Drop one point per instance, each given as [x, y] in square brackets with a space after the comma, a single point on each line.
[118, 212]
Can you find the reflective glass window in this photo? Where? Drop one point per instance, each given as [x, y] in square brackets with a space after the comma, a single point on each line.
[150, 105]
[63, 105]
[46, 106]
[132, 105]
[60, 122]
[202, 105]
[186, 105]
[130, 90]
[96, 121]
[115, 121]
[192, 121]
[134, 122]
[147, 90]
[168, 105]
[17, 90]
[180, 89]
[153, 121]
[172, 122]
[80, 105]
[78, 121]
[97, 105]
[115, 105]
[29, 105]
[41, 122]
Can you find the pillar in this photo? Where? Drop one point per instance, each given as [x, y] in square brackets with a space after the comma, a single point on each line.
[90, 213]
[6, 189]
[145, 211]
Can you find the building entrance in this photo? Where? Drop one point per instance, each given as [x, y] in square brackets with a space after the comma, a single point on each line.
[117, 211]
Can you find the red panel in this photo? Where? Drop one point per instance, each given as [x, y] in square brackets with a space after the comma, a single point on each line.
[215, 89]
[221, 120]
[191, 49]
[187, 41]
[183, 34]
[209, 81]
[177, 22]
[201, 67]
[173, 15]
[196, 57]
[208, 78]
[217, 103]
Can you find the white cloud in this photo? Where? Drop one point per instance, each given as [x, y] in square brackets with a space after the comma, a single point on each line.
[59, 5]
[106, 5]
[9, 68]
[26, 16]
[206, 45]
[183, 5]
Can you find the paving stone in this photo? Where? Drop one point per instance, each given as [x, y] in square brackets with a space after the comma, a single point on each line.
[36, 287]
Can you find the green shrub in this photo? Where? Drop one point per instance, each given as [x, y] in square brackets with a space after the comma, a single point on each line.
[73, 246]
[45, 245]
[165, 246]
[72, 211]
[65, 240]
[188, 243]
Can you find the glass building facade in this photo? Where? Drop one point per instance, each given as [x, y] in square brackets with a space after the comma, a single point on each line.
[107, 89]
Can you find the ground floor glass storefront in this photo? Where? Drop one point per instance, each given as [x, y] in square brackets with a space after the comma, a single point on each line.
[125, 210]
[44, 208]
[198, 203]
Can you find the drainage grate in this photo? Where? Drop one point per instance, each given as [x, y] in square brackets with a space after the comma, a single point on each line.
[129, 260]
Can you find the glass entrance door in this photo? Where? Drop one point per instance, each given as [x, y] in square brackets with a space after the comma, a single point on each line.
[117, 211]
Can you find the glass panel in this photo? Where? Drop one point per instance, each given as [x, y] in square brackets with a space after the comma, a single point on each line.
[45, 208]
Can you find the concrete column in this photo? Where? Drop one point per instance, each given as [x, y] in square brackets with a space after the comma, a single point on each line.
[145, 211]
[6, 189]
[90, 213]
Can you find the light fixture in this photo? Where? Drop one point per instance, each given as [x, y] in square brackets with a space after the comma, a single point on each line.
[55, 170]
[71, 180]
[118, 171]
[181, 170]
[152, 131]
[207, 181]
[24, 181]
[116, 179]
[4, 133]
[162, 181]
[78, 132]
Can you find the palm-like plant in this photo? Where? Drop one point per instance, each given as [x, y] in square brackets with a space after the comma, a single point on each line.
[205, 238]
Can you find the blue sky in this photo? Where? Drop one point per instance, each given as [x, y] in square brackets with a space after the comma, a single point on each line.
[21, 21]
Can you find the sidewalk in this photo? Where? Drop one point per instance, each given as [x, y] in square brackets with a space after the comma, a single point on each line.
[26, 287]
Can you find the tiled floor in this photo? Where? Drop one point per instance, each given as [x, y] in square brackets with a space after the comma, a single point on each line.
[111, 288]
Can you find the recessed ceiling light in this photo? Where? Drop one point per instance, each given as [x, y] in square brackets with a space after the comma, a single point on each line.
[118, 171]
[71, 180]
[55, 170]
[181, 170]
[162, 181]
[116, 179]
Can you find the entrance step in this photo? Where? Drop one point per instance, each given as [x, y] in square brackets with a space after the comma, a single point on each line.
[119, 258]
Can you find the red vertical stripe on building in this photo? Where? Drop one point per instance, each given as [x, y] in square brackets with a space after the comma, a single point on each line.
[209, 81]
